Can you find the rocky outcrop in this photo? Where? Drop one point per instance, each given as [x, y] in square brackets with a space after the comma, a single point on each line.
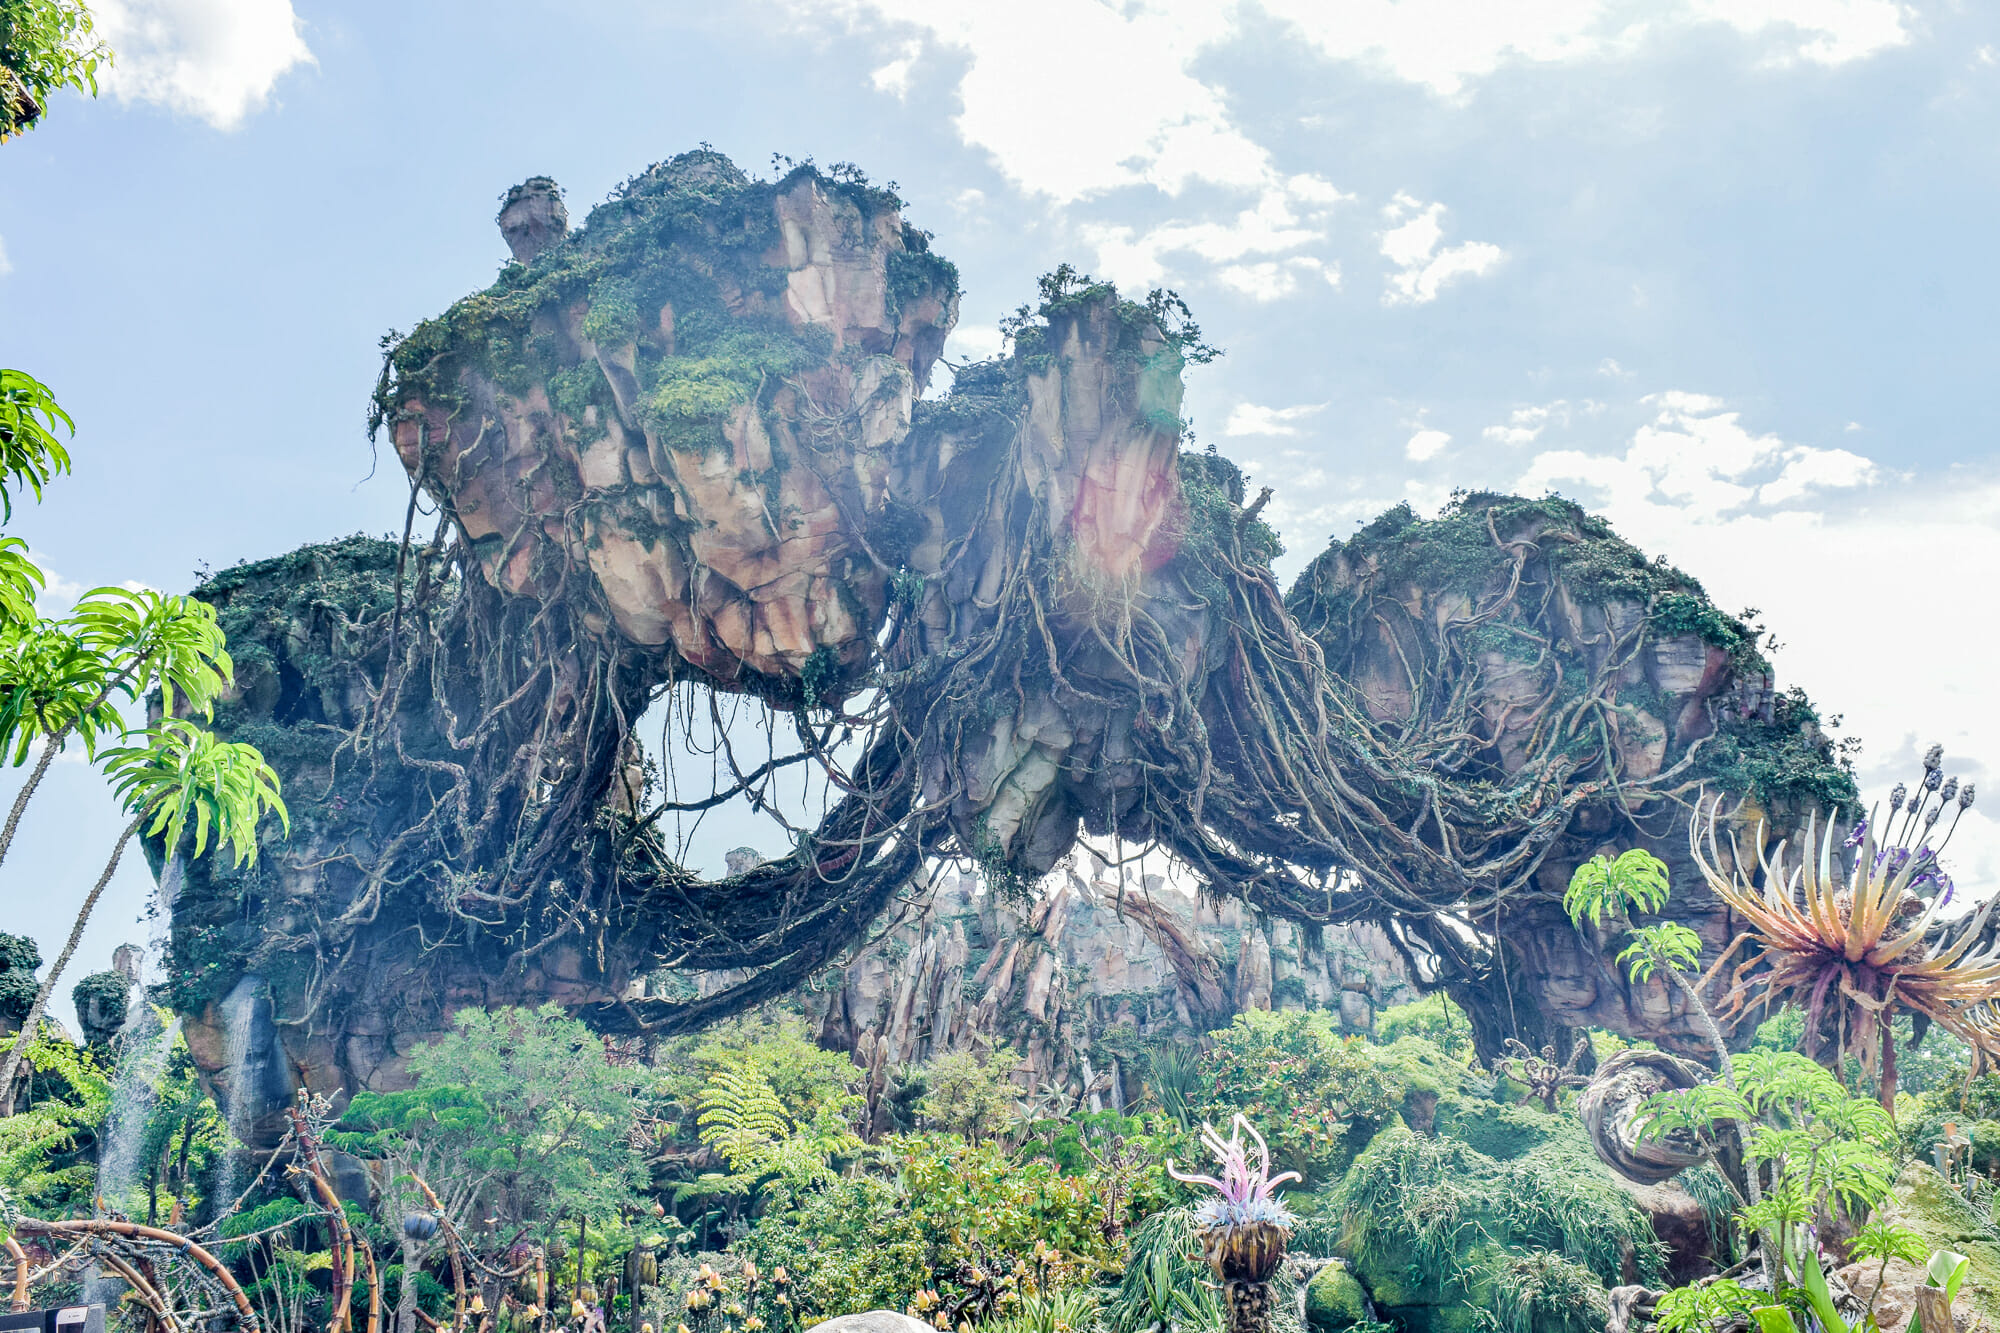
[1074, 988]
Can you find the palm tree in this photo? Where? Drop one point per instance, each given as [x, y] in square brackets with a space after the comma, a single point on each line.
[182, 777]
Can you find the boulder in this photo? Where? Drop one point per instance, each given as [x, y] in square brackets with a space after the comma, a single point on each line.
[873, 1321]
[1335, 1299]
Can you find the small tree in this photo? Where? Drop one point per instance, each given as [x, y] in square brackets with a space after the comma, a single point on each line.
[517, 1111]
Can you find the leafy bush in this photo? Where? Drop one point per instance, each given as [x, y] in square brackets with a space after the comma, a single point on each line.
[1434, 1018]
[1303, 1085]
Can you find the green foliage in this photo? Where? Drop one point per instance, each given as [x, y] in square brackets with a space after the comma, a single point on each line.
[17, 994]
[44, 1163]
[969, 1095]
[19, 957]
[517, 1109]
[1538, 1291]
[45, 46]
[1819, 1147]
[1177, 1083]
[1432, 1218]
[940, 1214]
[1783, 760]
[107, 990]
[740, 1117]
[1434, 1018]
[1679, 613]
[19, 952]
[1603, 887]
[1166, 1282]
[30, 453]
[184, 771]
[1667, 945]
[63, 678]
[1699, 1308]
[808, 1081]
[1299, 1082]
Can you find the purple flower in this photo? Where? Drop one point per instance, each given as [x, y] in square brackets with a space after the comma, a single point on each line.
[1247, 1192]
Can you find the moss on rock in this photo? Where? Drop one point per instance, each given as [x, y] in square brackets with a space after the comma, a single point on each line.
[1335, 1300]
[1929, 1205]
[1439, 1230]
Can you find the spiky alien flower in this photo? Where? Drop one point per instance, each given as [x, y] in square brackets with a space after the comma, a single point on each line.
[1246, 1194]
[1853, 944]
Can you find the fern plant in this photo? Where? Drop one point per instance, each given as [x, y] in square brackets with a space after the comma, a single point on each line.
[740, 1118]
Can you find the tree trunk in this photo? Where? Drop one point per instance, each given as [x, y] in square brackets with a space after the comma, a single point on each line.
[406, 1295]
[49, 747]
[1888, 1090]
[31, 1025]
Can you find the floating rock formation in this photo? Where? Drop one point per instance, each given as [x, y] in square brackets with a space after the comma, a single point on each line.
[685, 451]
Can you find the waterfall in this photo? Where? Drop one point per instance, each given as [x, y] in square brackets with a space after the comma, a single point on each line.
[143, 1045]
[239, 1011]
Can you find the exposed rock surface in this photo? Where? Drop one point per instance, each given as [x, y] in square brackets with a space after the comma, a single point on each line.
[1073, 988]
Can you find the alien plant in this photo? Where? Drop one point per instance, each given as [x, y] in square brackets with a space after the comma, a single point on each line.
[1544, 1076]
[1245, 1228]
[1852, 946]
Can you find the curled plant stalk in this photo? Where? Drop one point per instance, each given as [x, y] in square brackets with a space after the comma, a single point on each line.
[1245, 1229]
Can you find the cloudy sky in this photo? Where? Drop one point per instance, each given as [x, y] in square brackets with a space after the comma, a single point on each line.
[1724, 270]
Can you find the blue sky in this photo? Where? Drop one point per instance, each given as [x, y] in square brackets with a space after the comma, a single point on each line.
[1723, 271]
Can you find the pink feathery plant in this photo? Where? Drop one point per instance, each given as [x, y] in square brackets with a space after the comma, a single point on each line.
[1244, 1229]
[1247, 1195]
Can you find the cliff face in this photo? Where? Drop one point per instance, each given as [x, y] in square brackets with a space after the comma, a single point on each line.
[685, 449]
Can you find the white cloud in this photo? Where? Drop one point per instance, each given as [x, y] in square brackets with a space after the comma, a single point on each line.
[1426, 445]
[1526, 424]
[1445, 44]
[213, 59]
[1270, 279]
[6, 267]
[1610, 369]
[1251, 419]
[1825, 32]
[973, 342]
[1695, 456]
[1288, 215]
[1422, 269]
[894, 77]
[1816, 469]
[1060, 119]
